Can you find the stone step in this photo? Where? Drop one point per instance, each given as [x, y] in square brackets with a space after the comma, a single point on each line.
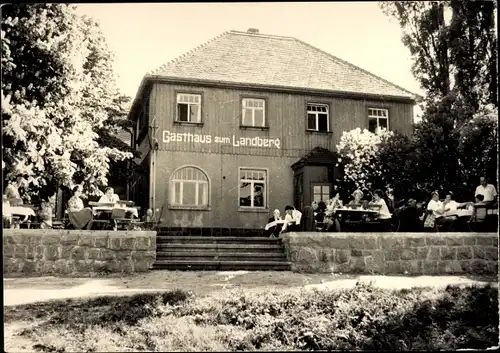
[220, 247]
[213, 255]
[219, 240]
[222, 265]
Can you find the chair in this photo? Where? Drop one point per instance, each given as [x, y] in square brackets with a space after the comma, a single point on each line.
[477, 222]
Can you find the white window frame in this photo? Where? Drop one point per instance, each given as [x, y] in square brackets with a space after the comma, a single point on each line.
[252, 182]
[183, 98]
[244, 108]
[174, 179]
[372, 115]
[317, 116]
[321, 193]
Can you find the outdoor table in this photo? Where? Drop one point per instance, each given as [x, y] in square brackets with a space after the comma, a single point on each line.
[108, 209]
[345, 212]
[25, 211]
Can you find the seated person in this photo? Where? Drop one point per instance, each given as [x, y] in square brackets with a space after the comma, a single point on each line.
[452, 207]
[436, 217]
[12, 189]
[274, 230]
[292, 219]
[45, 215]
[409, 217]
[6, 213]
[480, 211]
[384, 216]
[109, 196]
[79, 216]
[358, 196]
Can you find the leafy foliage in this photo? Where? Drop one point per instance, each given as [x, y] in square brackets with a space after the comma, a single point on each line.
[362, 318]
[58, 95]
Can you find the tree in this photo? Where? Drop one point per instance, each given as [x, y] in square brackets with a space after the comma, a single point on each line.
[453, 46]
[58, 94]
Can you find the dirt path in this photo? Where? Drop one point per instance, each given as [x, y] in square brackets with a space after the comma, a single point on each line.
[31, 290]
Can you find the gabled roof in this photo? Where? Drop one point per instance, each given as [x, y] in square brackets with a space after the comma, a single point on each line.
[252, 58]
[317, 156]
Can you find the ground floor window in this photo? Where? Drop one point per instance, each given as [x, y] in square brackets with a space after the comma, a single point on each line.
[189, 186]
[253, 187]
[321, 192]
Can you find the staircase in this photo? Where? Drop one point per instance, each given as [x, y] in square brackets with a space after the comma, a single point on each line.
[219, 253]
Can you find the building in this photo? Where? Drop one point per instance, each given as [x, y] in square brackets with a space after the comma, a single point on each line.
[247, 123]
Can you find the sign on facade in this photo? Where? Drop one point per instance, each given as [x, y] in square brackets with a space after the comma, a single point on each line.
[169, 137]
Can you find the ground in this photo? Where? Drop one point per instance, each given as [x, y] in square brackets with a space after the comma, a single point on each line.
[19, 291]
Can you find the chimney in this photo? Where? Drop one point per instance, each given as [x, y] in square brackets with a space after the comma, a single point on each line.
[253, 30]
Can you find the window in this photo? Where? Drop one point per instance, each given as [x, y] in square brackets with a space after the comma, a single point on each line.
[254, 112]
[189, 108]
[321, 192]
[378, 119]
[252, 190]
[317, 117]
[189, 187]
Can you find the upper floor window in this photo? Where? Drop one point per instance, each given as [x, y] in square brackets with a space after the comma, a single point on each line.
[318, 117]
[254, 112]
[253, 188]
[378, 119]
[189, 186]
[189, 108]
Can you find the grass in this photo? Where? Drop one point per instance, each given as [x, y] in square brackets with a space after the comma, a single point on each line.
[363, 317]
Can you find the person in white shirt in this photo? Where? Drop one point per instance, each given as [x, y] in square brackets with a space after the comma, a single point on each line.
[451, 206]
[384, 216]
[438, 209]
[292, 219]
[487, 190]
[109, 196]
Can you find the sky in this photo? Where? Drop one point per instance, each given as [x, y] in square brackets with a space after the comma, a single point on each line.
[146, 36]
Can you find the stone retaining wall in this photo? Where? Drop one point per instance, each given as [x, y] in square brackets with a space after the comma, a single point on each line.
[393, 253]
[37, 252]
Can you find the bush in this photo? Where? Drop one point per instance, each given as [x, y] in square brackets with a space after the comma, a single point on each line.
[355, 319]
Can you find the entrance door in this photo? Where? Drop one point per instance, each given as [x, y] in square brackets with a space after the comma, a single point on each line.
[321, 191]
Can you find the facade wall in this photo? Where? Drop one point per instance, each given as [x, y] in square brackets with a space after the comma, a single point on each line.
[213, 147]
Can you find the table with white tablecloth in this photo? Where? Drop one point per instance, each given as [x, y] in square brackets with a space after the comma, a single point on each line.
[22, 211]
[133, 210]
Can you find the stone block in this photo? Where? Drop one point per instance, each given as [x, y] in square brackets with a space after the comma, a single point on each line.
[67, 251]
[142, 243]
[357, 265]
[31, 251]
[100, 267]
[51, 239]
[495, 241]
[28, 267]
[422, 253]
[324, 255]
[342, 256]
[454, 240]
[94, 253]
[490, 253]
[127, 266]
[124, 254]
[429, 267]
[10, 265]
[86, 240]
[371, 242]
[415, 242]
[101, 241]
[464, 253]
[63, 267]
[142, 266]
[334, 241]
[115, 243]
[84, 266]
[465, 265]
[375, 263]
[391, 242]
[356, 242]
[492, 268]
[46, 267]
[470, 240]
[107, 255]
[392, 254]
[307, 255]
[408, 254]
[27, 238]
[128, 243]
[484, 240]
[69, 239]
[51, 252]
[434, 254]
[78, 253]
[393, 267]
[449, 267]
[8, 250]
[435, 240]
[20, 251]
[412, 267]
[39, 252]
[478, 267]
[356, 252]
[8, 239]
[448, 253]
